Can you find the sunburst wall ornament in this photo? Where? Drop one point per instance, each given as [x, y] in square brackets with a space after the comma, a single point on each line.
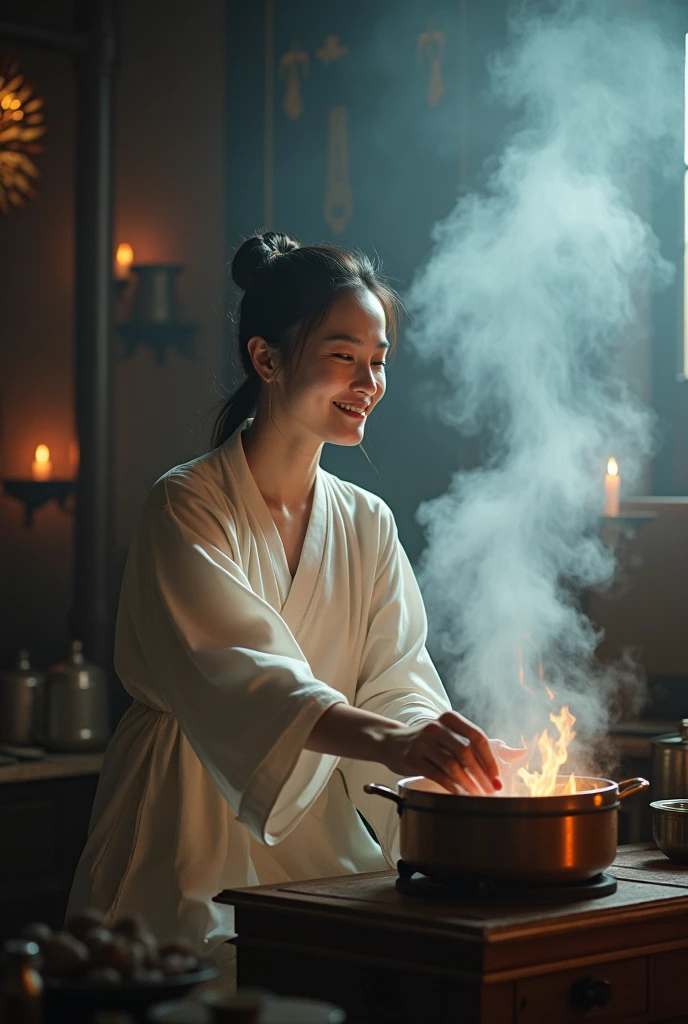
[21, 125]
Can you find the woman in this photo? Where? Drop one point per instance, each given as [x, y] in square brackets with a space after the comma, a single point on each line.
[271, 631]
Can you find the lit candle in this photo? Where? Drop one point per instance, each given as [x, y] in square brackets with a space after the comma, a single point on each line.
[42, 467]
[123, 261]
[612, 483]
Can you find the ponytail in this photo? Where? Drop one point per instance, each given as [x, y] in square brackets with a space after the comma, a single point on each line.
[239, 406]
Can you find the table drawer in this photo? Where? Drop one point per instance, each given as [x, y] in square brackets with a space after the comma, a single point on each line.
[599, 991]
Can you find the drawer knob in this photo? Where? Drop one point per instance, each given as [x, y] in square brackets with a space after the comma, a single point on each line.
[588, 993]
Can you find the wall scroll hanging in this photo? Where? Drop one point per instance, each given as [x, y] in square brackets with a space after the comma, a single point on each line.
[292, 64]
[339, 201]
[21, 125]
[430, 47]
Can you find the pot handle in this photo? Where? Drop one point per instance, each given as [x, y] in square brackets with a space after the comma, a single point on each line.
[375, 789]
[631, 786]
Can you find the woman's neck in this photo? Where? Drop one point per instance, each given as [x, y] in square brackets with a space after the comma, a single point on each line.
[284, 467]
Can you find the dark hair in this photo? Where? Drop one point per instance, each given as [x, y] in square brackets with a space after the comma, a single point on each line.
[289, 290]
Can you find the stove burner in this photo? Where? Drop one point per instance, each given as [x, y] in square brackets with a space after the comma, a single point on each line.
[481, 890]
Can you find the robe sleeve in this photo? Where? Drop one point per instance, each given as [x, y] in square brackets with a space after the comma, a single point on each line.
[397, 679]
[225, 664]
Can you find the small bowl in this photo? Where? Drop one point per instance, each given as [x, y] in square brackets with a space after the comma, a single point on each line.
[670, 828]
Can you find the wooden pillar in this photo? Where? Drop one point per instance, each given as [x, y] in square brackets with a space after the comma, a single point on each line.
[92, 613]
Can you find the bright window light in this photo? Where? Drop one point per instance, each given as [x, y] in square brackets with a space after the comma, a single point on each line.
[683, 369]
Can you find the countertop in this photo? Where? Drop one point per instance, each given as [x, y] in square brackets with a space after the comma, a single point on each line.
[53, 766]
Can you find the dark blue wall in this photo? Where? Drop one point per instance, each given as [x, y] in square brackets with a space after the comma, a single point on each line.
[410, 152]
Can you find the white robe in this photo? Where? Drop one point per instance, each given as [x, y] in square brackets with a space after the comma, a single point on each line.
[206, 784]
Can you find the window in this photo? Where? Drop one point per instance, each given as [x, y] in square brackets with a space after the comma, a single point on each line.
[683, 360]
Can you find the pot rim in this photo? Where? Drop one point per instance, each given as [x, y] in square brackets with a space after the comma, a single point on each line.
[676, 805]
[601, 797]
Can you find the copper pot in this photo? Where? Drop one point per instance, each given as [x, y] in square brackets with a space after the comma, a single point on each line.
[542, 840]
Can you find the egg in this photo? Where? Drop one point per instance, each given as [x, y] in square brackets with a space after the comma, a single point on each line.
[64, 956]
[173, 965]
[85, 921]
[124, 956]
[133, 927]
[38, 932]
[180, 946]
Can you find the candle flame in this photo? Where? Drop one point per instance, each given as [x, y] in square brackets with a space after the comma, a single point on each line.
[124, 255]
[42, 453]
[612, 467]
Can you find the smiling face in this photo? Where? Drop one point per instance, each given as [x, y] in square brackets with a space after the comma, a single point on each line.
[336, 381]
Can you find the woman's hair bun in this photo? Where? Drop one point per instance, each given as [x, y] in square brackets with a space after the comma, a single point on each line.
[255, 253]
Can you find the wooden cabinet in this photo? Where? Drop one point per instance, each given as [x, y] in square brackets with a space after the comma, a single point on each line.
[43, 827]
[392, 958]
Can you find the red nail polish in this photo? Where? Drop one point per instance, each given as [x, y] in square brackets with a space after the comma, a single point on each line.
[497, 784]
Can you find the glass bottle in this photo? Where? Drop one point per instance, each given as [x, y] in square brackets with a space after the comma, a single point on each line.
[21, 986]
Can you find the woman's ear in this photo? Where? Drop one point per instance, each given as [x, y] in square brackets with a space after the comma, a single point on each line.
[262, 357]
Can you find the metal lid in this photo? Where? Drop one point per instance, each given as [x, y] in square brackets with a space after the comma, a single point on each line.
[672, 740]
[76, 667]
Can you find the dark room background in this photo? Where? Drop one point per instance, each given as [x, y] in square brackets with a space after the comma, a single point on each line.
[350, 121]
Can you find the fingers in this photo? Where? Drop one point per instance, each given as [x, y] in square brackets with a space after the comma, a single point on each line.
[454, 756]
[433, 771]
[480, 744]
[460, 752]
[506, 753]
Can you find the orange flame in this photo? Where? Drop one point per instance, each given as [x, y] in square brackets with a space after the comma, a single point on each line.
[521, 673]
[554, 754]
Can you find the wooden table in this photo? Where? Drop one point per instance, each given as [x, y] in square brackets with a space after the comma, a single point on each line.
[391, 958]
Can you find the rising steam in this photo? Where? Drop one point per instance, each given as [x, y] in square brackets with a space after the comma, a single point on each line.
[529, 291]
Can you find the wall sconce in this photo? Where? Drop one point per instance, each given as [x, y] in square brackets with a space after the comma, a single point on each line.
[41, 488]
[154, 318]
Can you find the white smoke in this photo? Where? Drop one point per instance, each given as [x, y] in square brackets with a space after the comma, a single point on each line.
[529, 291]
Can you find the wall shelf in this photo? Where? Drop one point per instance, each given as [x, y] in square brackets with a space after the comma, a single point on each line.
[159, 337]
[35, 493]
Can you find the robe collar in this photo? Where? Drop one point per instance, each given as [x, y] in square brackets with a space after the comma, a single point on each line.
[297, 595]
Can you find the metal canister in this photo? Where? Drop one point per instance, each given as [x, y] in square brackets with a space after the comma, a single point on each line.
[77, 715]
[21, 703]
[670, 764]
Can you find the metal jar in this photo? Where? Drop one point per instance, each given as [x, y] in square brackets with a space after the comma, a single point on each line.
[21, 703]
[540, 840]
[670, 764]
[77, 707]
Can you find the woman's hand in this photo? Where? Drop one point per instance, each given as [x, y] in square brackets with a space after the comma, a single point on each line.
[451, 751]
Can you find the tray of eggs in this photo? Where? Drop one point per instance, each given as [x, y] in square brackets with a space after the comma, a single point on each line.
[98, 964]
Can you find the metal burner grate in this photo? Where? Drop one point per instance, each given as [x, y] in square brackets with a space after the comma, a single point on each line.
[481, 890]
